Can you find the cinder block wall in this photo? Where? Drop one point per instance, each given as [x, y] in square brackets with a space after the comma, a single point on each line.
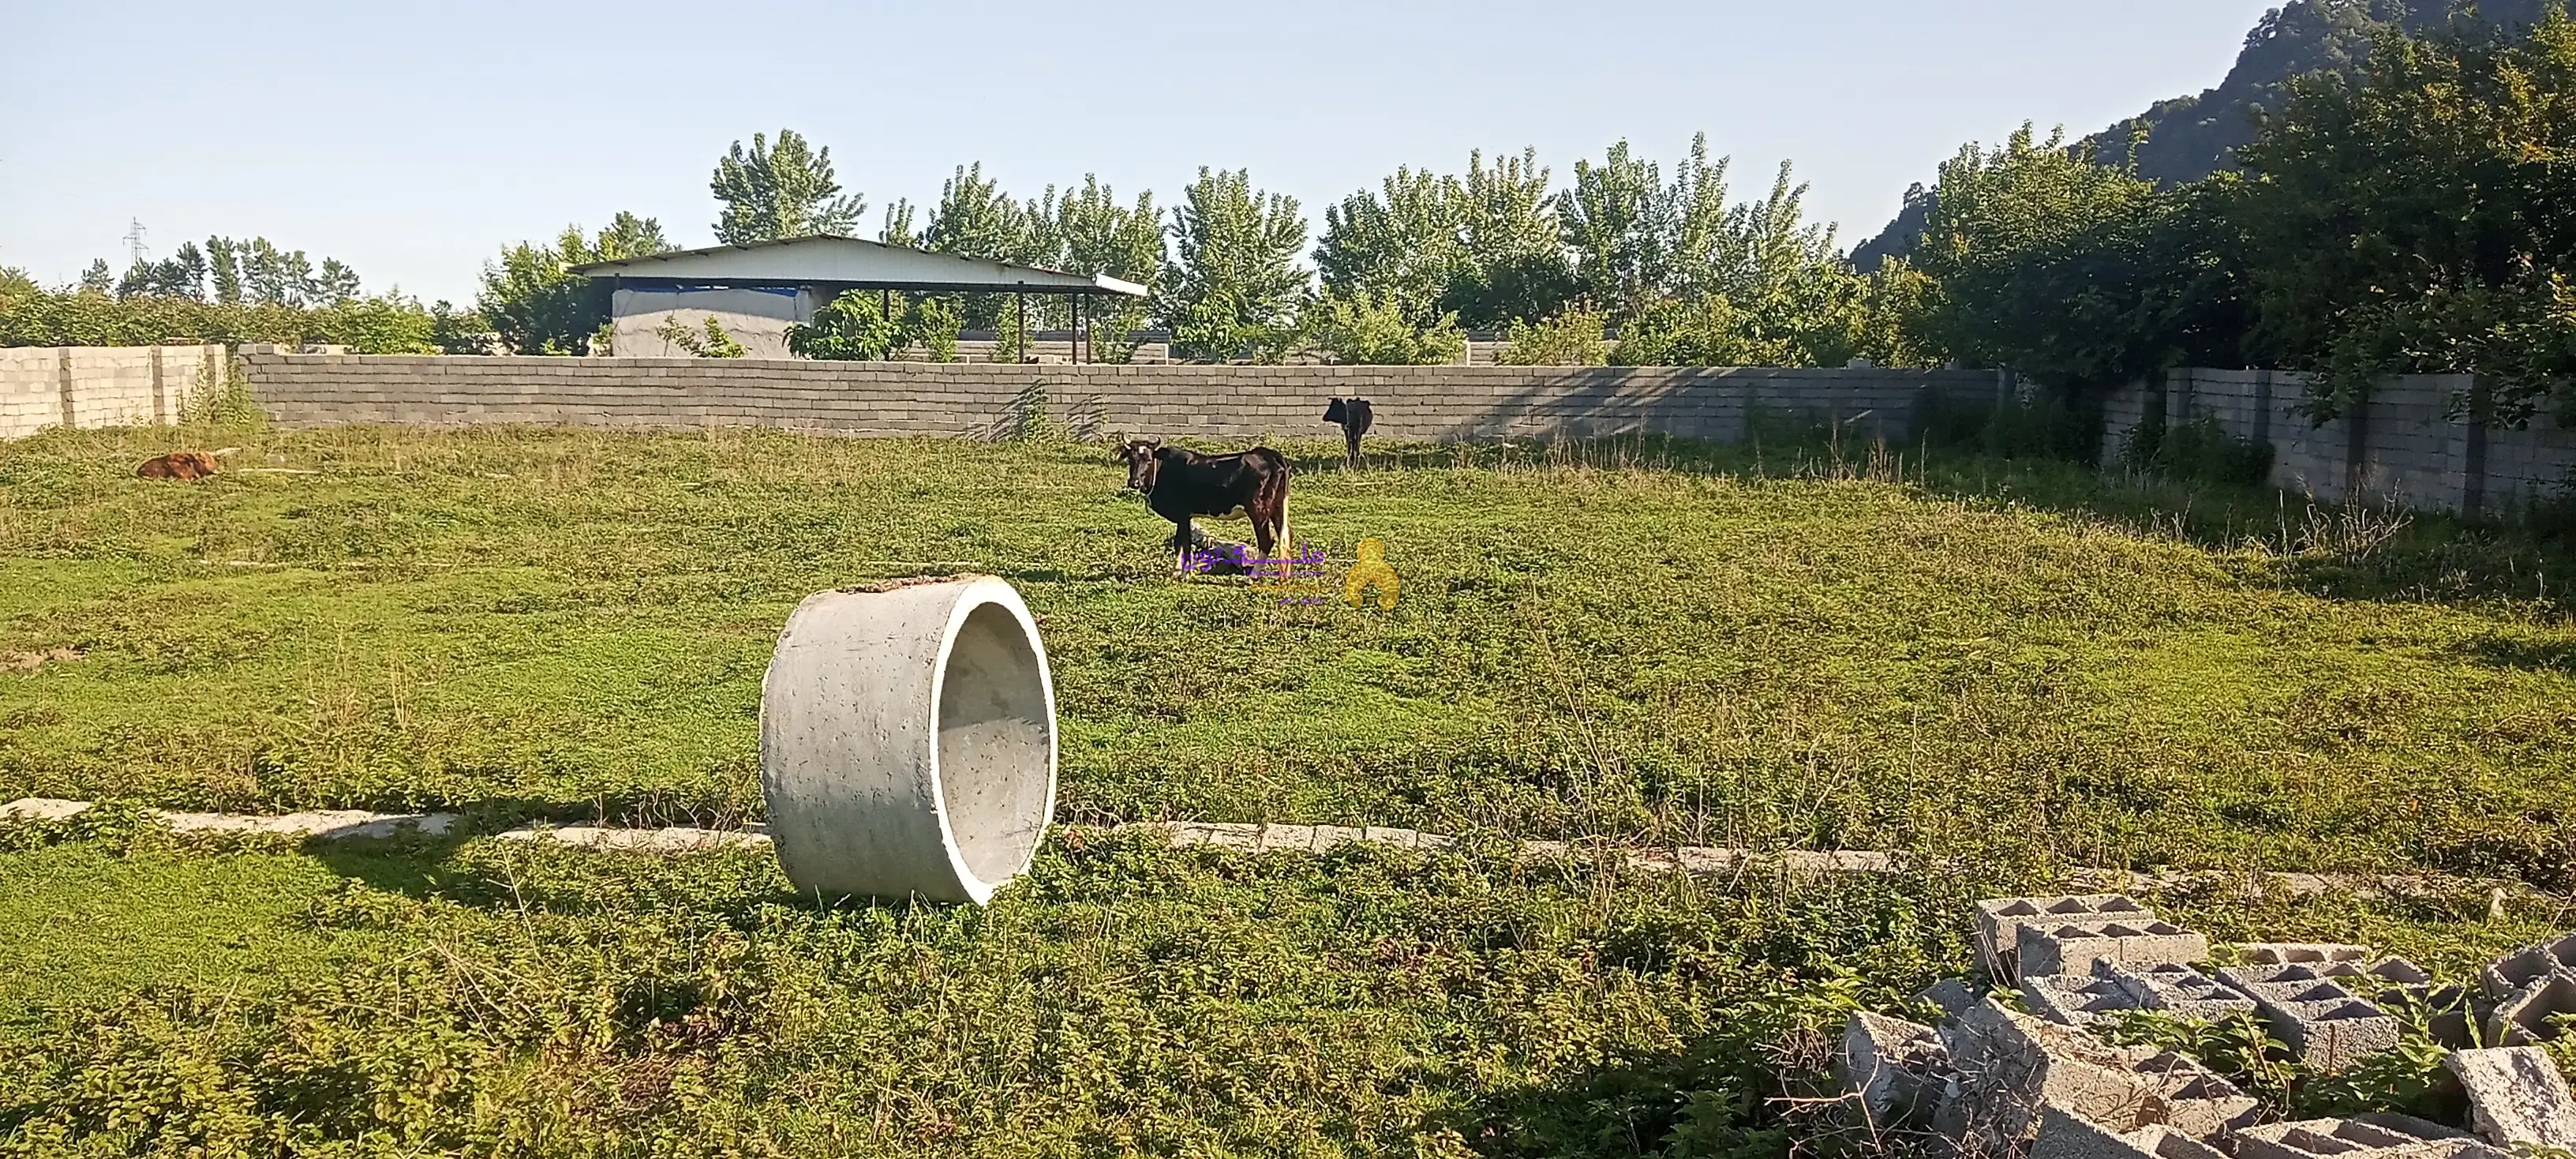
[2403, 447]
[1430, 403]
[99, 386]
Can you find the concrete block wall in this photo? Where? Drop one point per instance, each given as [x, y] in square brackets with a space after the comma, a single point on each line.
[1234, 403]
[100, 386]
[2404, 447]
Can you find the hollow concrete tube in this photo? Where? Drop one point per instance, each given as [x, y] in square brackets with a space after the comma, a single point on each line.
[908, 741]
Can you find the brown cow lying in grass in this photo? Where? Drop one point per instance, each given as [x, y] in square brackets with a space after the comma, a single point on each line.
[184, 465]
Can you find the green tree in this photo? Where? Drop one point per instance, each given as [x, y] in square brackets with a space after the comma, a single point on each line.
[975, 219]
[1514, 256]
[782, 191]
[537, 306]
[15, 283]
[2419, 215]
[2075, 272]
[224, 268]
[1403, 246]
[1615, 222]
[856, 327]
[97, 279]
[1233, 286]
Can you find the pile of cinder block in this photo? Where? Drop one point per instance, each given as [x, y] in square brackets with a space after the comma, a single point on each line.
[1990, 1079]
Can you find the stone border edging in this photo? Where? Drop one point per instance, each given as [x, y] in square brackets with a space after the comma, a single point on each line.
[343, 824]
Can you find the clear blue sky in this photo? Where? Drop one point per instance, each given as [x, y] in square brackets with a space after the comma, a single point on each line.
[414, 140]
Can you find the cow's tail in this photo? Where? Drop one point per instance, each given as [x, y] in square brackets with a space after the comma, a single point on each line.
[1279, 479]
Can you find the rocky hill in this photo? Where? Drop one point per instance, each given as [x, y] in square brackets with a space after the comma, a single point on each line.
[2190, 137]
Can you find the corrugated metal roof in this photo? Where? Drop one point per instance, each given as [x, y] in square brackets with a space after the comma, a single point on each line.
[830, 259]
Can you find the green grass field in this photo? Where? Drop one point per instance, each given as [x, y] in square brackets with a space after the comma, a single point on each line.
[2019, 669]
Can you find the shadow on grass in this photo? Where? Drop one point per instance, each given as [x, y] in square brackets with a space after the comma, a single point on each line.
[2527, 654]
[1697, 1101]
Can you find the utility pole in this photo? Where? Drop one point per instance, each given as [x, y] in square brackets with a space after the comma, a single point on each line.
[134, 240]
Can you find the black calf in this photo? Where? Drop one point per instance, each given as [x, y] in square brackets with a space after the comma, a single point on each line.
[1180, 484]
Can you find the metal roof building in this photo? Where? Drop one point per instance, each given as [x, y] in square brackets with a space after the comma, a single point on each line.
[757, 290]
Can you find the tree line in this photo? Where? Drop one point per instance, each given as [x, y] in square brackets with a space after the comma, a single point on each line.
[2411, 211]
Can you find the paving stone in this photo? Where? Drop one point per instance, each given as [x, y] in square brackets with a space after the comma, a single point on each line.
[329, 824]
[2517, 1096]
[677, 839]
[42, 809]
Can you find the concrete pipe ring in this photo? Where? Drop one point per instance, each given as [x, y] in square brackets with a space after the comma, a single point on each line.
[908, 741]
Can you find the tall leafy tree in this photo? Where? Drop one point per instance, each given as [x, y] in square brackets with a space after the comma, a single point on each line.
[2419, 215]
[1514, 259]
[780, 191]
[2071, 270]
[976, 219]
[1098, 235]
[533, 301]
[1402, 245]
[1233, 286]
[1613, 221]
[223, 267]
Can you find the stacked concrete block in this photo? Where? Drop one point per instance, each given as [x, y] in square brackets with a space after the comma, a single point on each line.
[2184, 992]
[1950, 996]
[2078, 999]
[2082, 999]
[2000, 921]
[2063, 1135]
[1892, 1064]
[2517, 1097]
[2532, 1013]
[2361, 1137]
[974, 400]
[2531, 986]
[2194, 1099]
[2299, 953]
[2006, 1066]
[2076, 947]
[2322, 1018]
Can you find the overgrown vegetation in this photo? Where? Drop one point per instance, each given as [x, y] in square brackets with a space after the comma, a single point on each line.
[2013, 666]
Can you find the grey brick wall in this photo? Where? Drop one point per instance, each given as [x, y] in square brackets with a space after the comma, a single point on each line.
[2410, 451]
[974, 400]
[99, 386]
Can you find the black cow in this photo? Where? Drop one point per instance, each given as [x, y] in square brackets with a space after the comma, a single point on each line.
[1180, 484]
[1353, 416]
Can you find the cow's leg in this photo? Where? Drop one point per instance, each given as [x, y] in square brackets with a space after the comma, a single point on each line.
[1264, 512]
[1351, 434]
[1182, 541]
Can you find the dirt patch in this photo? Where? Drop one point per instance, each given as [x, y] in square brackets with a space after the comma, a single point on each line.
[30, 661]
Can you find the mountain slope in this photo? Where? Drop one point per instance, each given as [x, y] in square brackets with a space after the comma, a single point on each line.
[2191, 137]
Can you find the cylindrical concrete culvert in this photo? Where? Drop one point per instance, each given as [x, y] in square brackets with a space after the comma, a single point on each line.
[908, 742]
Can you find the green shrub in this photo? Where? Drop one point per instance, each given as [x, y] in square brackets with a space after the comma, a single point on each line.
[1574, 337]
[1370, 328]
[385, 324]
